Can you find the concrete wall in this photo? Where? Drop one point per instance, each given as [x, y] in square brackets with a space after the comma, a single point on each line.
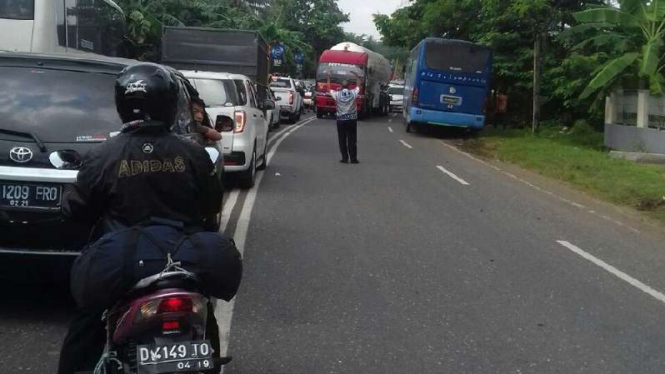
[634, 122]
[634, 139]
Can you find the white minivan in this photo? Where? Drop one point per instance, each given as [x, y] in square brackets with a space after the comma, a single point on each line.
[234, 95]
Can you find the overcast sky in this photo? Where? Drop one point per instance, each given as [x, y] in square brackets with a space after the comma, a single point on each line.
[360, 13]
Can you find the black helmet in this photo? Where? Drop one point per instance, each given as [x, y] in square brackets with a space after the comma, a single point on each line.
[146, 91]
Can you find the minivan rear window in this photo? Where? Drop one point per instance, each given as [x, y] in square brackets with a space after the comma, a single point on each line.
[17, 9]
[216, 92]
[58, 105]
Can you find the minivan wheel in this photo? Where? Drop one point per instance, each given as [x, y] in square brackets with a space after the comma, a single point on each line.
[248, 177]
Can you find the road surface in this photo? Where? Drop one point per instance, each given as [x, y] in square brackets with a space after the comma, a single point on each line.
[421, 259]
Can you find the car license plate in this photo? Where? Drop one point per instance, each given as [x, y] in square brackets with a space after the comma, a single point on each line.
[174, 358]
[451, 100]
[30, 196]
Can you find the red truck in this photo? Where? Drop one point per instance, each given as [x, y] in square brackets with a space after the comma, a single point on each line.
[340, 62]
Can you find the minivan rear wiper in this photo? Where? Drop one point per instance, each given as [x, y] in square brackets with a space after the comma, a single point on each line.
[30, 135]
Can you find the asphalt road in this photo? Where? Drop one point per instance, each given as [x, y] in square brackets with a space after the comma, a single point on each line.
[420, 259]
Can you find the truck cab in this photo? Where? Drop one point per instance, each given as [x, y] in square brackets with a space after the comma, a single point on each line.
[340, 66]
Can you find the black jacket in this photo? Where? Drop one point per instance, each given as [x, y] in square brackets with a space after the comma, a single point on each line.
[144, 172]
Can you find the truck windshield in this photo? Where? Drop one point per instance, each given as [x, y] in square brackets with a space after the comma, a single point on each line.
[338, 72]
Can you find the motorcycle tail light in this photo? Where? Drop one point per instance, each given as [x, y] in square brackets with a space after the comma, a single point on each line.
[169, 305]
[174, 305]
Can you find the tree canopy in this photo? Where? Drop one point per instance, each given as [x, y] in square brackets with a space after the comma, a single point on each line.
[514, 29]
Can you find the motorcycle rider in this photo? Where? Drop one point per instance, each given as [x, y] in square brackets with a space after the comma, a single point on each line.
[146, 171]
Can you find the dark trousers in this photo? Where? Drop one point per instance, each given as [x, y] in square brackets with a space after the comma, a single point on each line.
[347, 132]
[86, 338]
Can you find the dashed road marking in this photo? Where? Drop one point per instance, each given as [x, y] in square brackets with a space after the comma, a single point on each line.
[616, 272]
[569, 202]
[407, 145]
[452, 175]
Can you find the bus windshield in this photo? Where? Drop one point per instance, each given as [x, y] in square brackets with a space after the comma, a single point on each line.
[17, 9]
[465, 58]
[338, 72]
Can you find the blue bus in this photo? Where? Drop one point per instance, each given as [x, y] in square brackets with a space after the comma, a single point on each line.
[447, 83]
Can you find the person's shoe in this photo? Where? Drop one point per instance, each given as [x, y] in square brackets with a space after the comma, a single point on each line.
[344, 161]
[355, 161]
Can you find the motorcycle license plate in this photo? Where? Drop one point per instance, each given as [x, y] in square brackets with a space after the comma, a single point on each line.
[174, 358]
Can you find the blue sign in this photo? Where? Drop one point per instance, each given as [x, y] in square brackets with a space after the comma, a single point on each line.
[277, 51]
[277, 54]
[300, 58]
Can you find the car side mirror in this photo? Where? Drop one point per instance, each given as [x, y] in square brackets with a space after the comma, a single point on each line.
[213, 153]
[223, 123]
[268, 104]
[278, 99]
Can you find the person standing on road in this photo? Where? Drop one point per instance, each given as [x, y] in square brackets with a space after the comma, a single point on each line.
[347, 119]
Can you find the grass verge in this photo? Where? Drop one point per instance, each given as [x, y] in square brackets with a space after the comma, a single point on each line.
[578, 158]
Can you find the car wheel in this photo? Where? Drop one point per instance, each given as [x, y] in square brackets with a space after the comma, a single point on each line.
[248, 177]
[264, 163]
[298, 117]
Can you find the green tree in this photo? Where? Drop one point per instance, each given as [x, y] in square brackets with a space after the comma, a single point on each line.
[639, 26]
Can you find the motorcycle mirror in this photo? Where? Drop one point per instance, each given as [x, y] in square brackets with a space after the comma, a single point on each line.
[213, 153]
[223, 123]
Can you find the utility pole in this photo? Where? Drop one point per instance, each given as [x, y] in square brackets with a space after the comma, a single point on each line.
[537, 65]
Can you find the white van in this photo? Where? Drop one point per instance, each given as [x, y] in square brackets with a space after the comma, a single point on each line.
[234, 95]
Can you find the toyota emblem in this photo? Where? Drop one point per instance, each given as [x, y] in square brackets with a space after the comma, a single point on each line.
[20, 155]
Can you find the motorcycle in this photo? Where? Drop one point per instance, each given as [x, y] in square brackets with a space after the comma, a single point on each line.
[160, 327]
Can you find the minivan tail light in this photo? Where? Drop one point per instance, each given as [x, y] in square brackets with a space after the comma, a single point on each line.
[415, 96]
[290, 98]
[241, 120]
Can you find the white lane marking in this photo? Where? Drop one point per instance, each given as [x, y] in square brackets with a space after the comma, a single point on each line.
[620, 274]
[390, 129]
[390, 120]
[229, 204]
[405, 144]
[450, 174]
[224, 310]
[393, 115]
[285, 129]
[569, 202]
